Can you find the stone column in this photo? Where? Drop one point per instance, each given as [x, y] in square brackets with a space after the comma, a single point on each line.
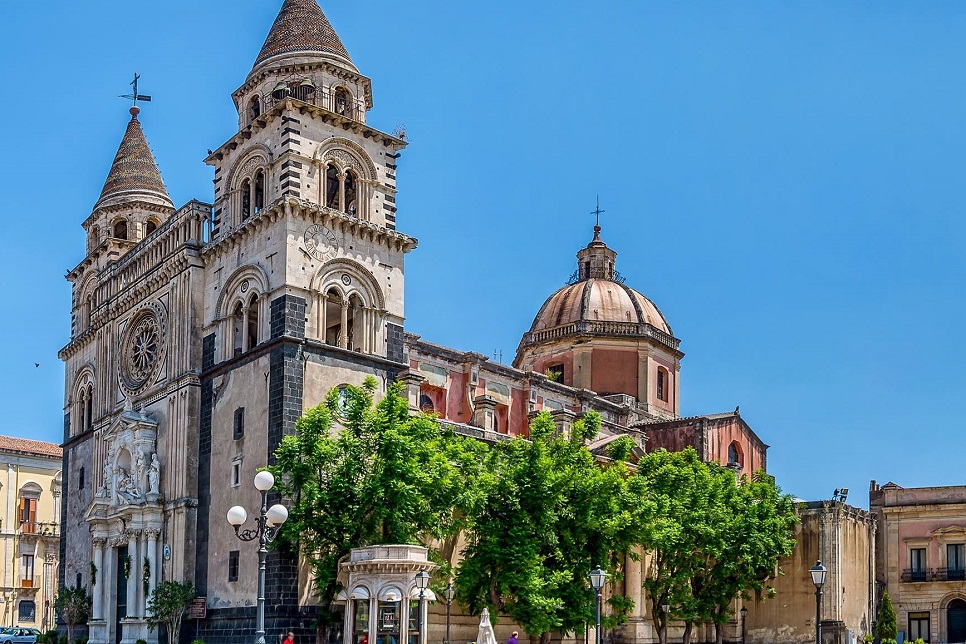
[99, 583]
[344, 326]
[633, 585]
[132, 578]
[153, 534]
[108, 576]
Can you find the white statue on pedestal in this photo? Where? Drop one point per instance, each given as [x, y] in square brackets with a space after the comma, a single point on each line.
[154, 475]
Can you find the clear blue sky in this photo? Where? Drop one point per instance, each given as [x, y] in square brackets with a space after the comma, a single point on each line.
[783, 179]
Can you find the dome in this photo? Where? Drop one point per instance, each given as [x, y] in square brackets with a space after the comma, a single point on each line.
[598, 300]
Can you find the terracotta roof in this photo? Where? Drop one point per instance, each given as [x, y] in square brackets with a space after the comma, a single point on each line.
[598, 300]
[301, 27]
[13, 444]
[134, 172]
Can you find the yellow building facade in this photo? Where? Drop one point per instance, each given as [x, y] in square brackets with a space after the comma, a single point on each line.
[30, 487]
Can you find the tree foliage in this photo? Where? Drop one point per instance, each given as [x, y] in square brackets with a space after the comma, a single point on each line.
[74, 607]
[885, 627]
[383, 477]
[547, 513]
[713, 538]
[168, 604]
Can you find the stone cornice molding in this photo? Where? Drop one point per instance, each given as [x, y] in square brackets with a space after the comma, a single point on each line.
[127, 207]
[332, 69]
[285, 207]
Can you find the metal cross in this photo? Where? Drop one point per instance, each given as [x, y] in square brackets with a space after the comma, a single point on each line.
[135, 96]
[597, 211]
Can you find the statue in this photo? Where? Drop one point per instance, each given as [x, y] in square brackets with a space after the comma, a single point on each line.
[108, 478]
[127, 487]
[138, 467]
[154, 474]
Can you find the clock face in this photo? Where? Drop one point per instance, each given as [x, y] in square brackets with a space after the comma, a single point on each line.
[320, 242]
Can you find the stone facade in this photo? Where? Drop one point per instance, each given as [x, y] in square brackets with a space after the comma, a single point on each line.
[843, 538]
[919, 558]
[32, 488]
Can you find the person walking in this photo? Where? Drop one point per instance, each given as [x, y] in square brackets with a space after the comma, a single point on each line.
[290, 638]
[513, 638]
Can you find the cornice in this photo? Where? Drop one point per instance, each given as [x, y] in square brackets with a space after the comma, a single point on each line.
[285, 207]
[334, 70]
[291, 104]
[127, 206]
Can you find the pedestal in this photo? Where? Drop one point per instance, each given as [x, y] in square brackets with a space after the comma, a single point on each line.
[97, 631]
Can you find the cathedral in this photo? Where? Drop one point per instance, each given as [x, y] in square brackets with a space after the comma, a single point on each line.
[200, 334]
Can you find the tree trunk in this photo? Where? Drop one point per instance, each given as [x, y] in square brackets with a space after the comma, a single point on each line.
[70, 633]
[686, 639]
[545, 638]
[718, 633]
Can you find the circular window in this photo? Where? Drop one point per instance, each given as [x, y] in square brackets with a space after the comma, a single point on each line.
[141, 350]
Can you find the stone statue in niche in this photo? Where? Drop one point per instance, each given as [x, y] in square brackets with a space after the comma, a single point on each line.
[127, 488]
[138, 467]
[105, 491]
[154, 475]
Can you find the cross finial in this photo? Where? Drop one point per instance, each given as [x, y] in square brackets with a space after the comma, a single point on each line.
[134, 95]
[597, 212]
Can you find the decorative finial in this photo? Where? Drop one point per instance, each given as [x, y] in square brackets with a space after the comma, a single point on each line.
[596, 212]
[134, 96]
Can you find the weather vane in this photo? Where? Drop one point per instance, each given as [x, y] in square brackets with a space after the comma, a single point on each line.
[597, 211]
[135, 96]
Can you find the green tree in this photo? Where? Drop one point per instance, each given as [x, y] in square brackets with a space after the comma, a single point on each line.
[754, 527]
[168, 604]
[547, 513]
[885, 627]
[74, 607]
[386, 477]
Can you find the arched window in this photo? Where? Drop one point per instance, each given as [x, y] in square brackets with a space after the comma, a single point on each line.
[331, 186]
[88, 408]
[253, 321]
[355, 334]
[333, 318]
[246, 199]
[426, 404]
[351, 207]
[736, 457]
[259, 190]
[120, 229]
[254, 108]
[27, 610]
[150, 227]
[238, 335]
[663, 384]
[342, 102]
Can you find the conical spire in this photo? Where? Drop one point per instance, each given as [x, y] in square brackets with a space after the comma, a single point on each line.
[301, 28]
[134, 174]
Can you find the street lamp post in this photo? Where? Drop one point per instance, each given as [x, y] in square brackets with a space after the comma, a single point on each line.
[744, 619]
[449, 593]
[597, 579]
[818, 572]
[422, 583]
[265, 530]
[667, 609]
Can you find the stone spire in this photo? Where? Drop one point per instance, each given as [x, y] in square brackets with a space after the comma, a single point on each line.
[301, 30]
[134, 175]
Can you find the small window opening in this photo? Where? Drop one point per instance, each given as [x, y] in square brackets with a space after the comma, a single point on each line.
[735, 456]
[426, 404]
[120, 229]
[239, 425]
[341, 102]
[88, 408]
[259, 190]
[331, 186]
[662, 384]
[333, 318]
[350, 193]
[246, 197]
[238, 336]
[236, 474]
[555, 373]
[233, 565]
[80, 479]
[254, 108]
[253, 322]
[150, 227]
[26, 571]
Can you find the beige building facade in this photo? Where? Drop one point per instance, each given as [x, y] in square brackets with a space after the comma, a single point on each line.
[920, 558]
[30, 485]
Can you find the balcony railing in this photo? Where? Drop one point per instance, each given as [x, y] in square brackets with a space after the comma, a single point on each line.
[933, 574]
[39, 528]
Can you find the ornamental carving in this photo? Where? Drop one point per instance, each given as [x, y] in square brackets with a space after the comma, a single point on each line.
[142, 349]
[346, 159]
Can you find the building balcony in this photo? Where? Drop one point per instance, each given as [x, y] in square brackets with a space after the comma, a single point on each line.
[30, 529]
[933, 574]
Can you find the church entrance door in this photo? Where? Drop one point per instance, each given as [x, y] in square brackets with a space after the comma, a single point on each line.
[120, 594]
[956, 621]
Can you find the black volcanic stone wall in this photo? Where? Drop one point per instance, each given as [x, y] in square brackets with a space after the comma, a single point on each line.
[204, 485]
[394, 343]
[288, 317]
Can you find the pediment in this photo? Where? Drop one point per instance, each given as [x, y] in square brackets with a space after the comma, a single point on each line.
[950, 531]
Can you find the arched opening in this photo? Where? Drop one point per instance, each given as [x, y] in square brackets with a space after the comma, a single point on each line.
[88, 408]
[259, 190]
[238, 334]
[331, 186]
[351, 206]
[956, 621]
[246, 199]
[150, 227]
[253, 322]
[426, 404]
[333, 318]
[341, 101]
[120, 229]
[254, 108]
[736, 458]
[355, 331]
